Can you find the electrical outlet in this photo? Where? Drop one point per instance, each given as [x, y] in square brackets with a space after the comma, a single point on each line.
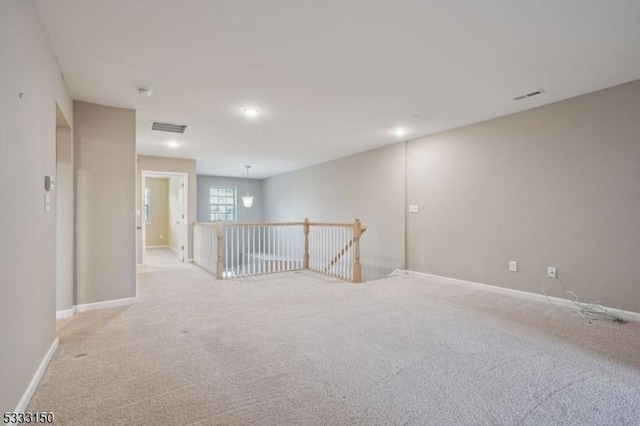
[513, 266]
[552, 272]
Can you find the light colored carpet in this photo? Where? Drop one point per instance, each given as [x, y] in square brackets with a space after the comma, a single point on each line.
[304, 349]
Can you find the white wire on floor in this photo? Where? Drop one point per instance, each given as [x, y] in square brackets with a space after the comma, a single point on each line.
[590, 311]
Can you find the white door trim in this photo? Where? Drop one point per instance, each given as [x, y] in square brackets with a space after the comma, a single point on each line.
[185, 208]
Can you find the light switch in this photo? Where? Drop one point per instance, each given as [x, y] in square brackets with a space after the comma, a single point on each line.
[49, 184]
[413, 208]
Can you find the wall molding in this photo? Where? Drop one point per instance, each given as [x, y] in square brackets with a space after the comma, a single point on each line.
[626, 315]
[115, 303]
[35, 380]
[66, 313]
[154, 247]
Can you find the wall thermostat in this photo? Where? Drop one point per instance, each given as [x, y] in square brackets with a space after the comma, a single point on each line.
[49, 183]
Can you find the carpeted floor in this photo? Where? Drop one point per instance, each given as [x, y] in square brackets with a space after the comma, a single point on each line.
[304, 349]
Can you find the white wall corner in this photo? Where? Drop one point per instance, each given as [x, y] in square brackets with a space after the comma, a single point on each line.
[35, 380]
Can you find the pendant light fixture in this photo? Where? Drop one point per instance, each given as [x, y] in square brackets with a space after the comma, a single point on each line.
[247, 199]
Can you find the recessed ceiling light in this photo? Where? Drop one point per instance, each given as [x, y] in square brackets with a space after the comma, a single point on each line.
[400, 132]
[251, 112]
[173, 145]
[144, 91]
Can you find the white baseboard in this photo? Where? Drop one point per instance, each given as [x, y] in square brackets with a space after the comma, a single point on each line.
[154, 247]
[35, 380]
[115, 303]
[66, 313]
[626, 315]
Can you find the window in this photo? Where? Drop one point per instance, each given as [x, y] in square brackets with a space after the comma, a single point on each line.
[223, 203]
[147, 205]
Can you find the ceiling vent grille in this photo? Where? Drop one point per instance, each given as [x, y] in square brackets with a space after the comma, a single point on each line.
[529, 95]
[168, 127]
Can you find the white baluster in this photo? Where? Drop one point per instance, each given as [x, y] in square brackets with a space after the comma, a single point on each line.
[323, 238]
[332, 251]
[226, 251]
[351, 255]
[344, 256]
[260, 264]
[290, 236]
[270, 245]
[279, 249]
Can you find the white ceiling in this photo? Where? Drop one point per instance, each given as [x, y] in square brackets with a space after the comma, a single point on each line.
[331, 77]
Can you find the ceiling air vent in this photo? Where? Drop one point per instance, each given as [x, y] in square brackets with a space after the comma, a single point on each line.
[529, 95]
[168, 127]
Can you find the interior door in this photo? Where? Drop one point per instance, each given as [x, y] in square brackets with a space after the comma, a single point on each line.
[181, 220]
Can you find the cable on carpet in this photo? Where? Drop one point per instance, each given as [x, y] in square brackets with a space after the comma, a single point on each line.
[593, 311]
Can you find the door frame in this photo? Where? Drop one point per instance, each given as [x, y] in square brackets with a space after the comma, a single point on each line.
[185, 209]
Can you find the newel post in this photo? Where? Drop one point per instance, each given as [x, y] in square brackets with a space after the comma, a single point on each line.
[305, 259]
[357, 231]
[219, 270]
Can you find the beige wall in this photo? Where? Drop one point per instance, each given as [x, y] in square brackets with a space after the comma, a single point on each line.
[552, 186]
[65, 223]
[104, 144]
[27, 154]
[369, 186]
[157, 232]
[556, 185]
[163, 164]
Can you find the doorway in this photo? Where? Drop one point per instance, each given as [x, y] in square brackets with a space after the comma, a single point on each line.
[164, 212]
[63, 191]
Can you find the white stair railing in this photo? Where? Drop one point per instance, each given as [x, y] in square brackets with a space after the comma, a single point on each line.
[205, 246]
[242, 249]
[261, 248]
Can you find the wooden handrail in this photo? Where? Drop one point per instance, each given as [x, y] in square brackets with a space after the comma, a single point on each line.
[337, 225]
[239, 224]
